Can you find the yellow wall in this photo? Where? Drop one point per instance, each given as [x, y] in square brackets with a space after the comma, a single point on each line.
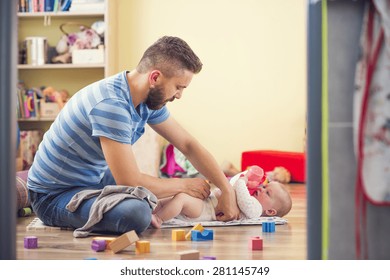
[251, 93]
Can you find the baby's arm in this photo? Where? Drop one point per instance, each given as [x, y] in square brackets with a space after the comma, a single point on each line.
[247, 203]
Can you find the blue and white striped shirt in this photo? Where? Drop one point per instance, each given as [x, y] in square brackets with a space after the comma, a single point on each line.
[70, 154]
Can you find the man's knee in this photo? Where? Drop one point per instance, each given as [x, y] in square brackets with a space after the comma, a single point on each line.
[134, 214]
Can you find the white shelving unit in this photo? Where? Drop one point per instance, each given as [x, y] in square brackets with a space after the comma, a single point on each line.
[71, 77]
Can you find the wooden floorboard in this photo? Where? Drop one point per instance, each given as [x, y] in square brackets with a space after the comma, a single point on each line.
[287, 243]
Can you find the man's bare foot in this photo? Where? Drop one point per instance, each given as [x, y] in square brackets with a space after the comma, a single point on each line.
[156, 221]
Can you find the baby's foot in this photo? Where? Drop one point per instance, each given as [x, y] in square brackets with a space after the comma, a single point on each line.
[156, 221]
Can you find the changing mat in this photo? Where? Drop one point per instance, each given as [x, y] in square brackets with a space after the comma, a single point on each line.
[182, 222]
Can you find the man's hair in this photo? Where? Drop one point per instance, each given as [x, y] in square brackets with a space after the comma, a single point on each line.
[169, 55]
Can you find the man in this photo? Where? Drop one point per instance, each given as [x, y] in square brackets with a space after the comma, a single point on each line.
[89, 145]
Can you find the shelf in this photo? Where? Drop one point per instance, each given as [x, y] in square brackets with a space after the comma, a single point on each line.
[60, 14]
[36, 119]
[61, 66]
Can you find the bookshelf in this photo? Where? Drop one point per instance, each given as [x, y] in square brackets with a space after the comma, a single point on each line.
[68, 76]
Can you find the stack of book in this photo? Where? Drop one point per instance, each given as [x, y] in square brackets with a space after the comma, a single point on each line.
[31, 104]
[33, 6]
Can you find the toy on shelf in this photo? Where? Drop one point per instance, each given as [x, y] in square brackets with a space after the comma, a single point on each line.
[50, 94]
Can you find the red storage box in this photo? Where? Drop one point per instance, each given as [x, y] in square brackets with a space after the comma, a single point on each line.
[294, 162]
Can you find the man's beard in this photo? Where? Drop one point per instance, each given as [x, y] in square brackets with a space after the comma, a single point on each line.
[155, 99]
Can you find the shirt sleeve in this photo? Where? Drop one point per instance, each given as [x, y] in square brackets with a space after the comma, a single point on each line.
[158, 116]
[111, 118]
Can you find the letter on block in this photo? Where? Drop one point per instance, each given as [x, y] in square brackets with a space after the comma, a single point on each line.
[123, 241]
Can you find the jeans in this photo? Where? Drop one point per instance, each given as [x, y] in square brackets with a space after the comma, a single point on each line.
[127, 215]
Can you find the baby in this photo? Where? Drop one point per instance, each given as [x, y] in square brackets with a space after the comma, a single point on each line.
[271, 199]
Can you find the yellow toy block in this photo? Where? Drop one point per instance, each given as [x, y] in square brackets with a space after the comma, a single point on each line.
[107, 239]
[188, 255]
[142, 247]
[123, 241]
[196, 227]
[178, 235]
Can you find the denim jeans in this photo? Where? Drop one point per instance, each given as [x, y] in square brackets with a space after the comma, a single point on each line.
[129, 214]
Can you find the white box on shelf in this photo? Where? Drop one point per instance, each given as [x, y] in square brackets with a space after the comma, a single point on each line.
[49, 109]
[86, 56]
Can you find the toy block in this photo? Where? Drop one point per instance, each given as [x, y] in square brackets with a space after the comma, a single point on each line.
[206, 234]
[268, 226]
[256, 243]
[98, 245]
[123, 241]
[209, 258]
[142, 247]
[188, 255]
[31, 242]
[107, 239]
[196, 227]
[178, 235]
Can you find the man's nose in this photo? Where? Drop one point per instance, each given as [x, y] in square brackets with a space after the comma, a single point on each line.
[178, 95]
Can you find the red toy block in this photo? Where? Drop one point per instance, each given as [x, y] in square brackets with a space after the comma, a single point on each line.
[294, 162]
[256, 243]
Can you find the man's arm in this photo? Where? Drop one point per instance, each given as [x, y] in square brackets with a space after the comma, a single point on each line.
[123, 165]
[204, 162]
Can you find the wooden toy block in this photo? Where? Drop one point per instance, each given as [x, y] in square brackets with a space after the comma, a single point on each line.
[206, 234]
[142, 247]
[123, 241]
[31, 242]
[196, 227]
[178, 235]
[268, 226]
[256, 243]
[98, 245]
[107, 239]
[188, 255]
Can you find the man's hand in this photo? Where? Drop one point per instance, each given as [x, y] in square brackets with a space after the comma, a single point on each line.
[227, 208]
[196, 187]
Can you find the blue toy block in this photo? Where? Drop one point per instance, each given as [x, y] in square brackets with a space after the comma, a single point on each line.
[206, 234]
[268, 226]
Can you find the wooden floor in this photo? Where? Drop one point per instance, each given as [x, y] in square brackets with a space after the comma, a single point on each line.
[287, 243]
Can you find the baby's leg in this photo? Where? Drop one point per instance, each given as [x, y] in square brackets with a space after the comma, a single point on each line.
[180, 204]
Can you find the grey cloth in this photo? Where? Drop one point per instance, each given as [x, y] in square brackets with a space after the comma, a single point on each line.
[107, 198]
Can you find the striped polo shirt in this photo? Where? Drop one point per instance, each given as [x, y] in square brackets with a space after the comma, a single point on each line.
[70, 153]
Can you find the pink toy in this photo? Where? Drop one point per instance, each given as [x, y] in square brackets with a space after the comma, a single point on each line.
[254, 177]
[31, 242]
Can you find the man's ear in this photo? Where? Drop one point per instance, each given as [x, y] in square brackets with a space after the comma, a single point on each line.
[271, 212]
[153, 77]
